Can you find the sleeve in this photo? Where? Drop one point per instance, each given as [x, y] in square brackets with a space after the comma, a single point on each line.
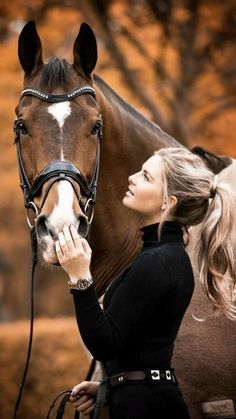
[132, 304]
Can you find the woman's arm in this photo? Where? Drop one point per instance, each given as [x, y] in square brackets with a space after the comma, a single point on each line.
[132, 305]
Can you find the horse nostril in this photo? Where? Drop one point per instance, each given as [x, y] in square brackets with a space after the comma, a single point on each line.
[83, 226]
[44, 228]
[41, 226]
[52, 232]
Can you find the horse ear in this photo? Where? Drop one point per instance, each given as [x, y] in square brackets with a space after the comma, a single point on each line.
[85, 50]
[29, 48]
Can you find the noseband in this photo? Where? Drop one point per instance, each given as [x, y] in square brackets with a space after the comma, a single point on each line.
[57, 170]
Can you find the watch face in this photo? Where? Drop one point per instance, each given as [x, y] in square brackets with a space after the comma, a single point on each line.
[82, 284]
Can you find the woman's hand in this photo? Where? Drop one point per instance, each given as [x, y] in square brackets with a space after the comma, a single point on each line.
[74, 253]
[84, 395]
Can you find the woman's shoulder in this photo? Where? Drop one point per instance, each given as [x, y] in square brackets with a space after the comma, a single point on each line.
[166, 251]
[168, 258]
[149, 261]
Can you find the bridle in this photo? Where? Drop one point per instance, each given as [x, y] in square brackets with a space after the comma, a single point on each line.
[53, 172]
[57, 170]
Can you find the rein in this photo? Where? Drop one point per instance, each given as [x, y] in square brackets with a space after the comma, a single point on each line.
[56, 171]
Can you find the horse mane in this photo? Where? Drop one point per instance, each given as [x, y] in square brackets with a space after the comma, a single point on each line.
[129, 109]
[54, 74]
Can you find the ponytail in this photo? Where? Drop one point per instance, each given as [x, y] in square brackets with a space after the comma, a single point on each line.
[203, 200]
[216, 259]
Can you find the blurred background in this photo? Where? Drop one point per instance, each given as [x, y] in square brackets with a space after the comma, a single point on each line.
[175, 61]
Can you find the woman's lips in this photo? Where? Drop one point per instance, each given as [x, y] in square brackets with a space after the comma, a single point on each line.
[128, 193]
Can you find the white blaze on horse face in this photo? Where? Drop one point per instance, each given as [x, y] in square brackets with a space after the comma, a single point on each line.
[60, 111]
[63, 211]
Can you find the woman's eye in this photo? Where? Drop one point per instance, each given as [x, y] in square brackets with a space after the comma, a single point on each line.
[146, 177]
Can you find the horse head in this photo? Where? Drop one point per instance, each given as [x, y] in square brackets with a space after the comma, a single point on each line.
[57, 132]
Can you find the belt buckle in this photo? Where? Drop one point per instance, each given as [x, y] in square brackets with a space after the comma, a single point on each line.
[155, 375]
[168, 375]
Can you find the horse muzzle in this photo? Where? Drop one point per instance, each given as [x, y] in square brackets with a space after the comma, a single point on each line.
[47, 234]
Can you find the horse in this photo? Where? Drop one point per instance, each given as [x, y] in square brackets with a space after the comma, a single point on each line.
[77, 143]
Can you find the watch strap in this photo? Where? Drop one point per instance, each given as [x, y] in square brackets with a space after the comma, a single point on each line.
[82, 284]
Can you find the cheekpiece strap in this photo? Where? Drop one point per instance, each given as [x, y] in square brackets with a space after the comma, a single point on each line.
[47, 97]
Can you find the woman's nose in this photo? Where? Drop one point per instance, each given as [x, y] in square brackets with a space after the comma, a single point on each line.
[131, 179]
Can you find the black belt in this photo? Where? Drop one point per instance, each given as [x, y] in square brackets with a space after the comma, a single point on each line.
[153, 376]
[150, 376]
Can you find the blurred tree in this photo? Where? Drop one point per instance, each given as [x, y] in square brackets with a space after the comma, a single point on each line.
[119, 55]
[102, 6]
[195, 44]
[4, 22]
[203, 35]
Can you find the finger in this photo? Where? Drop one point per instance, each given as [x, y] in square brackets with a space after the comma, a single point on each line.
[86, 246]
[73, 399]
[86, 405]
[76, 237]
[68, 238]
[89, 410]
[81, 400]
[62, 242]
[80, 387]
[58, 250]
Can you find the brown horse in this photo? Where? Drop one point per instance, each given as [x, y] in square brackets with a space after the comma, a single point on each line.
[59, 120]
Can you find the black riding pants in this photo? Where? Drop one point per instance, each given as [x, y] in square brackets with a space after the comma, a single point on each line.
[141, 400]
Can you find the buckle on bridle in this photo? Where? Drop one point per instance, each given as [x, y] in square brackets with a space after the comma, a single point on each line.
[88, 205]
[35, 209]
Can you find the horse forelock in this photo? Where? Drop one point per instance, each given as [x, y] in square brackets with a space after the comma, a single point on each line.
[54, 74]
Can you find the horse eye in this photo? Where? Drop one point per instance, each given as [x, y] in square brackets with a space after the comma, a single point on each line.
[96, 127]
[22, 128]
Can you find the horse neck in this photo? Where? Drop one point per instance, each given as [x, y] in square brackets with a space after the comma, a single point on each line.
[128, 140]
[126, 129]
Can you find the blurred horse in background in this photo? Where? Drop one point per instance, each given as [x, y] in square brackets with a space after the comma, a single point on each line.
[64, 113]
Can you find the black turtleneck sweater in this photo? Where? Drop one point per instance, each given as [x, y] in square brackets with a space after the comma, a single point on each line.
[143, 307]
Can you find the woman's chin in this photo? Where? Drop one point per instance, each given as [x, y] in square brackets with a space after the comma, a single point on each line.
[127, 202]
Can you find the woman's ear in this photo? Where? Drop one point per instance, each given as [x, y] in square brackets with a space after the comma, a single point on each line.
[172, 201]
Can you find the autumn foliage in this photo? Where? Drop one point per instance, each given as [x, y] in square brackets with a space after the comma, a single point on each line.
[175, 62]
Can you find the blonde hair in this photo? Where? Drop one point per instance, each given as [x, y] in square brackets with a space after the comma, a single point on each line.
[202, 199]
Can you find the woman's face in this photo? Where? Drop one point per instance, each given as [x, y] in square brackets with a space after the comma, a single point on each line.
[145, 191]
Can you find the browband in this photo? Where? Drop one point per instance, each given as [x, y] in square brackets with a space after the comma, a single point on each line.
[47, 97]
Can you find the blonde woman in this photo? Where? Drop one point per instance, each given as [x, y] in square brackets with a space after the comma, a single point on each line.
[143, 308]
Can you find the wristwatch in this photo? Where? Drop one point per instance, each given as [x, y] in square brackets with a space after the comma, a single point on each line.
[82, 284]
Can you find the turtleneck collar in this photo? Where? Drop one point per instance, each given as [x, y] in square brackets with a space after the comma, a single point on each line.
[171, 232]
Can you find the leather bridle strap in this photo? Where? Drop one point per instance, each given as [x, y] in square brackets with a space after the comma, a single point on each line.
[58, 170]
[24, 182]
[48, 97]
